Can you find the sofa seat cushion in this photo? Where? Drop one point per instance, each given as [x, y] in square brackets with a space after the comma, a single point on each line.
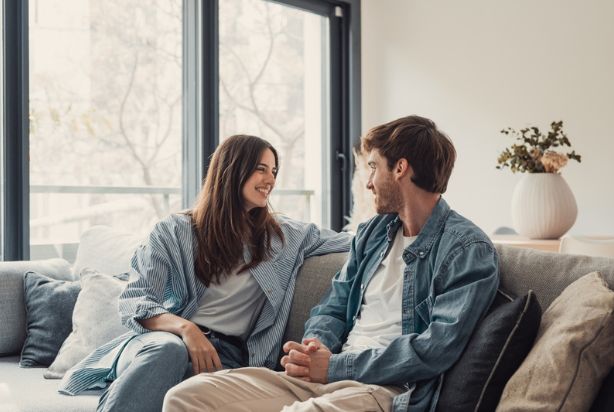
[25, 390]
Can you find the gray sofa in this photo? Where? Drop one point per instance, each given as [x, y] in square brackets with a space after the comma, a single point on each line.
[25, 390]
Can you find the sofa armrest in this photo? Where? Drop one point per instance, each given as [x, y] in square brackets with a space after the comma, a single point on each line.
[12, 308]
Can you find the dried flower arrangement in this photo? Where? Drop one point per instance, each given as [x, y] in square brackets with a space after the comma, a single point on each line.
[534, 155]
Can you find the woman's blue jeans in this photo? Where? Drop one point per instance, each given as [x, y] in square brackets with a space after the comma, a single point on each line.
[150, 365]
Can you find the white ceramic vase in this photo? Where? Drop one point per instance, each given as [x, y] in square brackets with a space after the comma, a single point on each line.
[543, 206]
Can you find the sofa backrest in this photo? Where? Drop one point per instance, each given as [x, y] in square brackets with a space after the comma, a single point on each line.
[546, 273]
[313, 281]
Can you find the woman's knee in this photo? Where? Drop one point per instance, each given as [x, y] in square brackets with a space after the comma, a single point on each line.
[166, 346]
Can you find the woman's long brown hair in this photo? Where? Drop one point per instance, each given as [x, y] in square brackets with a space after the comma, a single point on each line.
[221, 224]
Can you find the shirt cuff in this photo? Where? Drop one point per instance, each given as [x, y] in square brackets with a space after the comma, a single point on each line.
[143, 312]
[341, 366]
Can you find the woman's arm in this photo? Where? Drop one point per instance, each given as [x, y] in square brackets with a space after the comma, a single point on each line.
[141, 305]
[202, 353]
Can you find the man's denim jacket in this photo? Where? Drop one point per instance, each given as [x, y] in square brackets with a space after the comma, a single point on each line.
[450, 280]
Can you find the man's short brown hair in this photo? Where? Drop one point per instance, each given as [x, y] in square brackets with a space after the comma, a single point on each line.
[429, 151]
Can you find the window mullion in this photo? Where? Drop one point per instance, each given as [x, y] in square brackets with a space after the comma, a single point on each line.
[15, 131]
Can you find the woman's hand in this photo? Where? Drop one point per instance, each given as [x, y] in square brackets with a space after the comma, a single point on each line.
[202, 353]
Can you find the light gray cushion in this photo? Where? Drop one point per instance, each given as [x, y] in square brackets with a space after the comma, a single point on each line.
[95, 320]
[547, 273]
[49, 306]
[314, 279]
[25, 390]
[106, 250]
[12, 310]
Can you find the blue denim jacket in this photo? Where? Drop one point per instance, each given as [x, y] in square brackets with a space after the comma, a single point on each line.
[449, 281]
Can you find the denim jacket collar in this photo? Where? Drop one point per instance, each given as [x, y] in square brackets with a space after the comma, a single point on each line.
[428, 234]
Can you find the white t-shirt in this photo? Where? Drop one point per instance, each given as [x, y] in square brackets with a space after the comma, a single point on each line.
[381, 310]
[231, 307]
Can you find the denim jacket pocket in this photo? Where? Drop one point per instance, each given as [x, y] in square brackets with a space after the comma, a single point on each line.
[425, 309]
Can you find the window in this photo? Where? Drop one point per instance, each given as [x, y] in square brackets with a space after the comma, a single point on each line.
[274, 83]
[105, 117]
[112, 109]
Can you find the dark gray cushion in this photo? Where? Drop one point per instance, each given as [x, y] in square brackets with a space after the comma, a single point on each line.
[605, 398]
[12, 311]
[49, 306]
[496, 349]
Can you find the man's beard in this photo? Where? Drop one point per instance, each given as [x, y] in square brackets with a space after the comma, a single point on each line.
[388, 198]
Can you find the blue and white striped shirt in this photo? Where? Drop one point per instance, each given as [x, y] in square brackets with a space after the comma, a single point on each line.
[165, 282]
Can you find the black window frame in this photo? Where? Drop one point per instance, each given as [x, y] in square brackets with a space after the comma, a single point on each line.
[200, 113]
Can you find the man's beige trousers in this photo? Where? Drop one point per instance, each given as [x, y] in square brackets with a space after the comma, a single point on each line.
[262, 390]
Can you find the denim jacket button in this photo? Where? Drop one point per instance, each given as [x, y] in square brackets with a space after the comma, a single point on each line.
[362, 286]
[421, 254]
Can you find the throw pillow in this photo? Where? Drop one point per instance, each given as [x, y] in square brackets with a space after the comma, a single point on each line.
[496, 349]
[95, 321]
[106, 250]
[572, 354]
[12, 313]
[49, 304]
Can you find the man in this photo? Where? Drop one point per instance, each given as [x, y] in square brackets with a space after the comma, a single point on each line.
[418, 279]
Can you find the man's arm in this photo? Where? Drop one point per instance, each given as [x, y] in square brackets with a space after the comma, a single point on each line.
[469, 282]
[328, 320]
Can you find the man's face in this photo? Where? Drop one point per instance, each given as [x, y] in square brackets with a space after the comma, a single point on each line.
[383, 185]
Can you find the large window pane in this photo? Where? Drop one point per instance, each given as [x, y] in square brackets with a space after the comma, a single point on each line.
[105, 117]
[274, 84]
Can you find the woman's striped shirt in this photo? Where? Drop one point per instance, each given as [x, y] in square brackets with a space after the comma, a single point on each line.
[165, 282]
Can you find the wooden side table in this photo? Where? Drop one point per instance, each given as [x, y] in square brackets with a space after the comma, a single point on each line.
[550, 245]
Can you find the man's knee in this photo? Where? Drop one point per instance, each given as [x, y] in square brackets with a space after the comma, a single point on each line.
[190, 395]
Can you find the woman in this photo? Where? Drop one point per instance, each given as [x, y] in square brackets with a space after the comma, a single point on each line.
[211, 289]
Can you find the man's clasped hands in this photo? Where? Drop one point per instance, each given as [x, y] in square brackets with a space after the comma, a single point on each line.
[307, 361]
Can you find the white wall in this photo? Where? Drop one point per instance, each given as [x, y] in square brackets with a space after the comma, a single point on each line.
[477, 66]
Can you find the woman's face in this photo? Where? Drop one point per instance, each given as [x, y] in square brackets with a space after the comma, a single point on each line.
[258, 186]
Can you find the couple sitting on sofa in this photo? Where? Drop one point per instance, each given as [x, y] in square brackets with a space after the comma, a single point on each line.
[212, 291]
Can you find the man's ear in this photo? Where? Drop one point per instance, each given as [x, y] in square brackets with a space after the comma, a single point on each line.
[402, 168]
